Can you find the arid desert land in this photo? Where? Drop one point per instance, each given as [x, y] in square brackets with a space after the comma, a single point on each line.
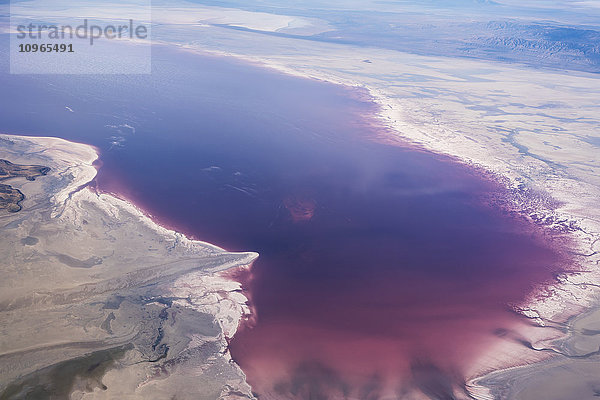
[96, 300]
[536, 129]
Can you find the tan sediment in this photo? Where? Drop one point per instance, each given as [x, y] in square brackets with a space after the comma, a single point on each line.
[451, 129]
[57, 305]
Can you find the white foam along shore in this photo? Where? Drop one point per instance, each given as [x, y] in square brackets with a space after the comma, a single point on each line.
[556, 201]
[208, 290]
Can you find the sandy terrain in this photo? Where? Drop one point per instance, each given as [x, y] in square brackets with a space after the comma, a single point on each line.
[535, 129]
[97, 301]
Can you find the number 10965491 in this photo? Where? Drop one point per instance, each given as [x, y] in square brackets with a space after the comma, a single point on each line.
[45, 48]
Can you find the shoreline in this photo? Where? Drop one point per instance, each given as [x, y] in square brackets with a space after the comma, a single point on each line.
[540, 307]
[208, 290]
[557, 303]
[89, 172]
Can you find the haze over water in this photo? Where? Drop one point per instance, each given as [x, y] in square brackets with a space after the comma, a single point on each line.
[378, 265]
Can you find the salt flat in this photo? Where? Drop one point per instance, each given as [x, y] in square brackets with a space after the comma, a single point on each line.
[89, 305]
[536, 129]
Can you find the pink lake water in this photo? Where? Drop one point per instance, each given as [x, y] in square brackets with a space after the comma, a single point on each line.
[380, 267]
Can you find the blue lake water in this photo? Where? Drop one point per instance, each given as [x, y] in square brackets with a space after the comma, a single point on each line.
[379, 264]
